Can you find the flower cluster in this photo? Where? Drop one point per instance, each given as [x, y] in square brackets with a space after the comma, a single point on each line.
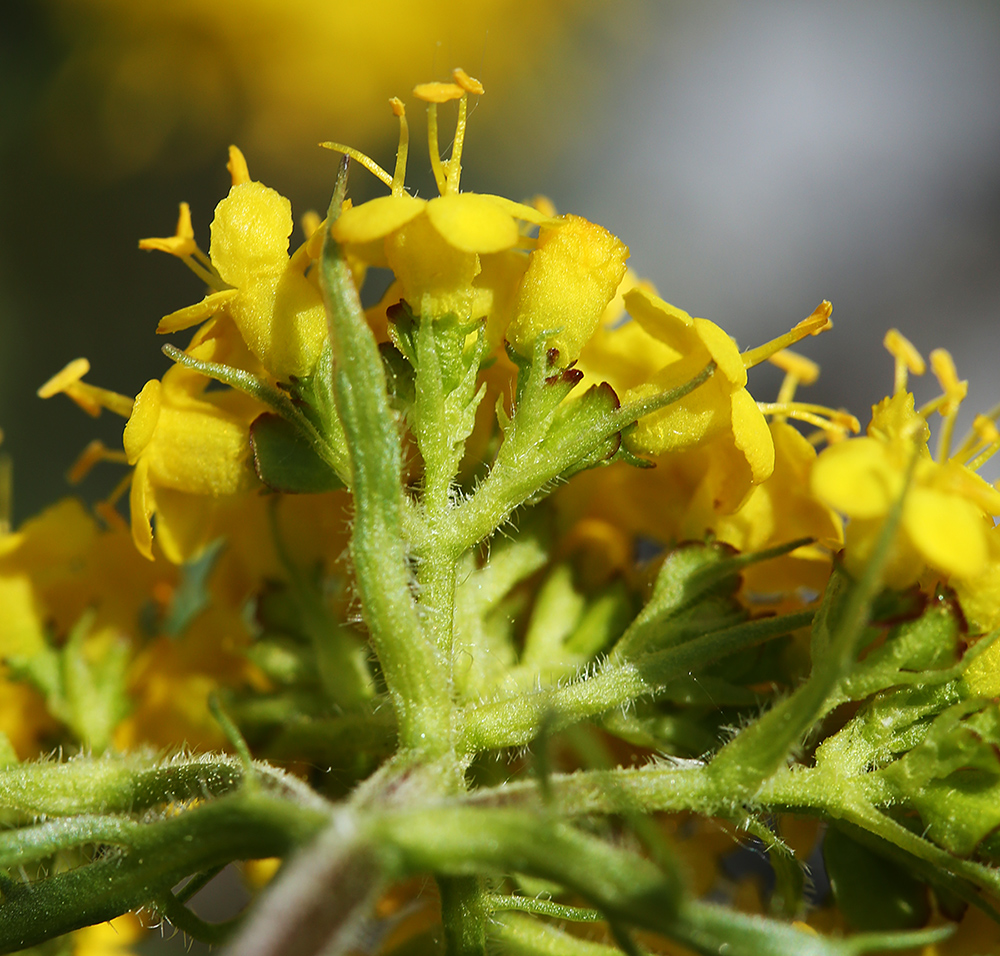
[521, 501]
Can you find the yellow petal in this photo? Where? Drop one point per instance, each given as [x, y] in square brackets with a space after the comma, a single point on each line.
[674, 327]
[141, 507]
[183, 523]
[22, 621]
[376, 219]
[472, 223]
[520, 211]
[753, 437]
[141, 426]
[857, 478]
[250, 233]
[723, 350]
[572, 276]
[949, 531]
[193, 314]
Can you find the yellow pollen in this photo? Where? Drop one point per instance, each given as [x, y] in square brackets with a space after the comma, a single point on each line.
[399, 174]
[95, 452]
[438, 92]
[468, 83]
[908, 359]
[818, 322]
[237, 166]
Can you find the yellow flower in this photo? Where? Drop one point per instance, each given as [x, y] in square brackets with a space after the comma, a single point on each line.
[719, 423]
[572, 276]
[113, 938]
[781, 509]
[189, 450]
[945, 526]
[434, 247]
[277, 309]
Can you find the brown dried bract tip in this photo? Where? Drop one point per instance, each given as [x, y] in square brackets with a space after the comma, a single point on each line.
[468, 83]
[438, 92]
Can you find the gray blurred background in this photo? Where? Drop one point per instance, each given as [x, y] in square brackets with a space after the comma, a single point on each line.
[757, 157]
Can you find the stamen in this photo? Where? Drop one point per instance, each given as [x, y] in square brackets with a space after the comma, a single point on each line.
[454, 171]
[982, 434]
[984, 456]
[818, 415]
[799, 371]
[438, 92]
[545, 206]
[310, 222]
[182, 245]
[955, 391]
[237, 166]
[118, 491]
[399, 175]
[89, 397]
[908, 359]
[468, 83]
[360, 157]
[94, 453]
[434, 148]
[818, 322]
[211, 278]
[944, 370]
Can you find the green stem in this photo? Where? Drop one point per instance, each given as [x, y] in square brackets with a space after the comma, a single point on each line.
[463, 915]
[414, 669]
[526, 465]
[516, 721]
[159, 855]
[270, 396]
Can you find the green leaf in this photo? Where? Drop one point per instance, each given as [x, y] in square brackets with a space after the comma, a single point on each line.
[192, 596]
[285, 460]
[83, 682]
[874, 893]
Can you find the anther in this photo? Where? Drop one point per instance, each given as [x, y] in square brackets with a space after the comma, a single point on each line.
[94, 453]
[399, 174]
[908, 359]
[818, 321]
[69, 381]
[237, 166]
